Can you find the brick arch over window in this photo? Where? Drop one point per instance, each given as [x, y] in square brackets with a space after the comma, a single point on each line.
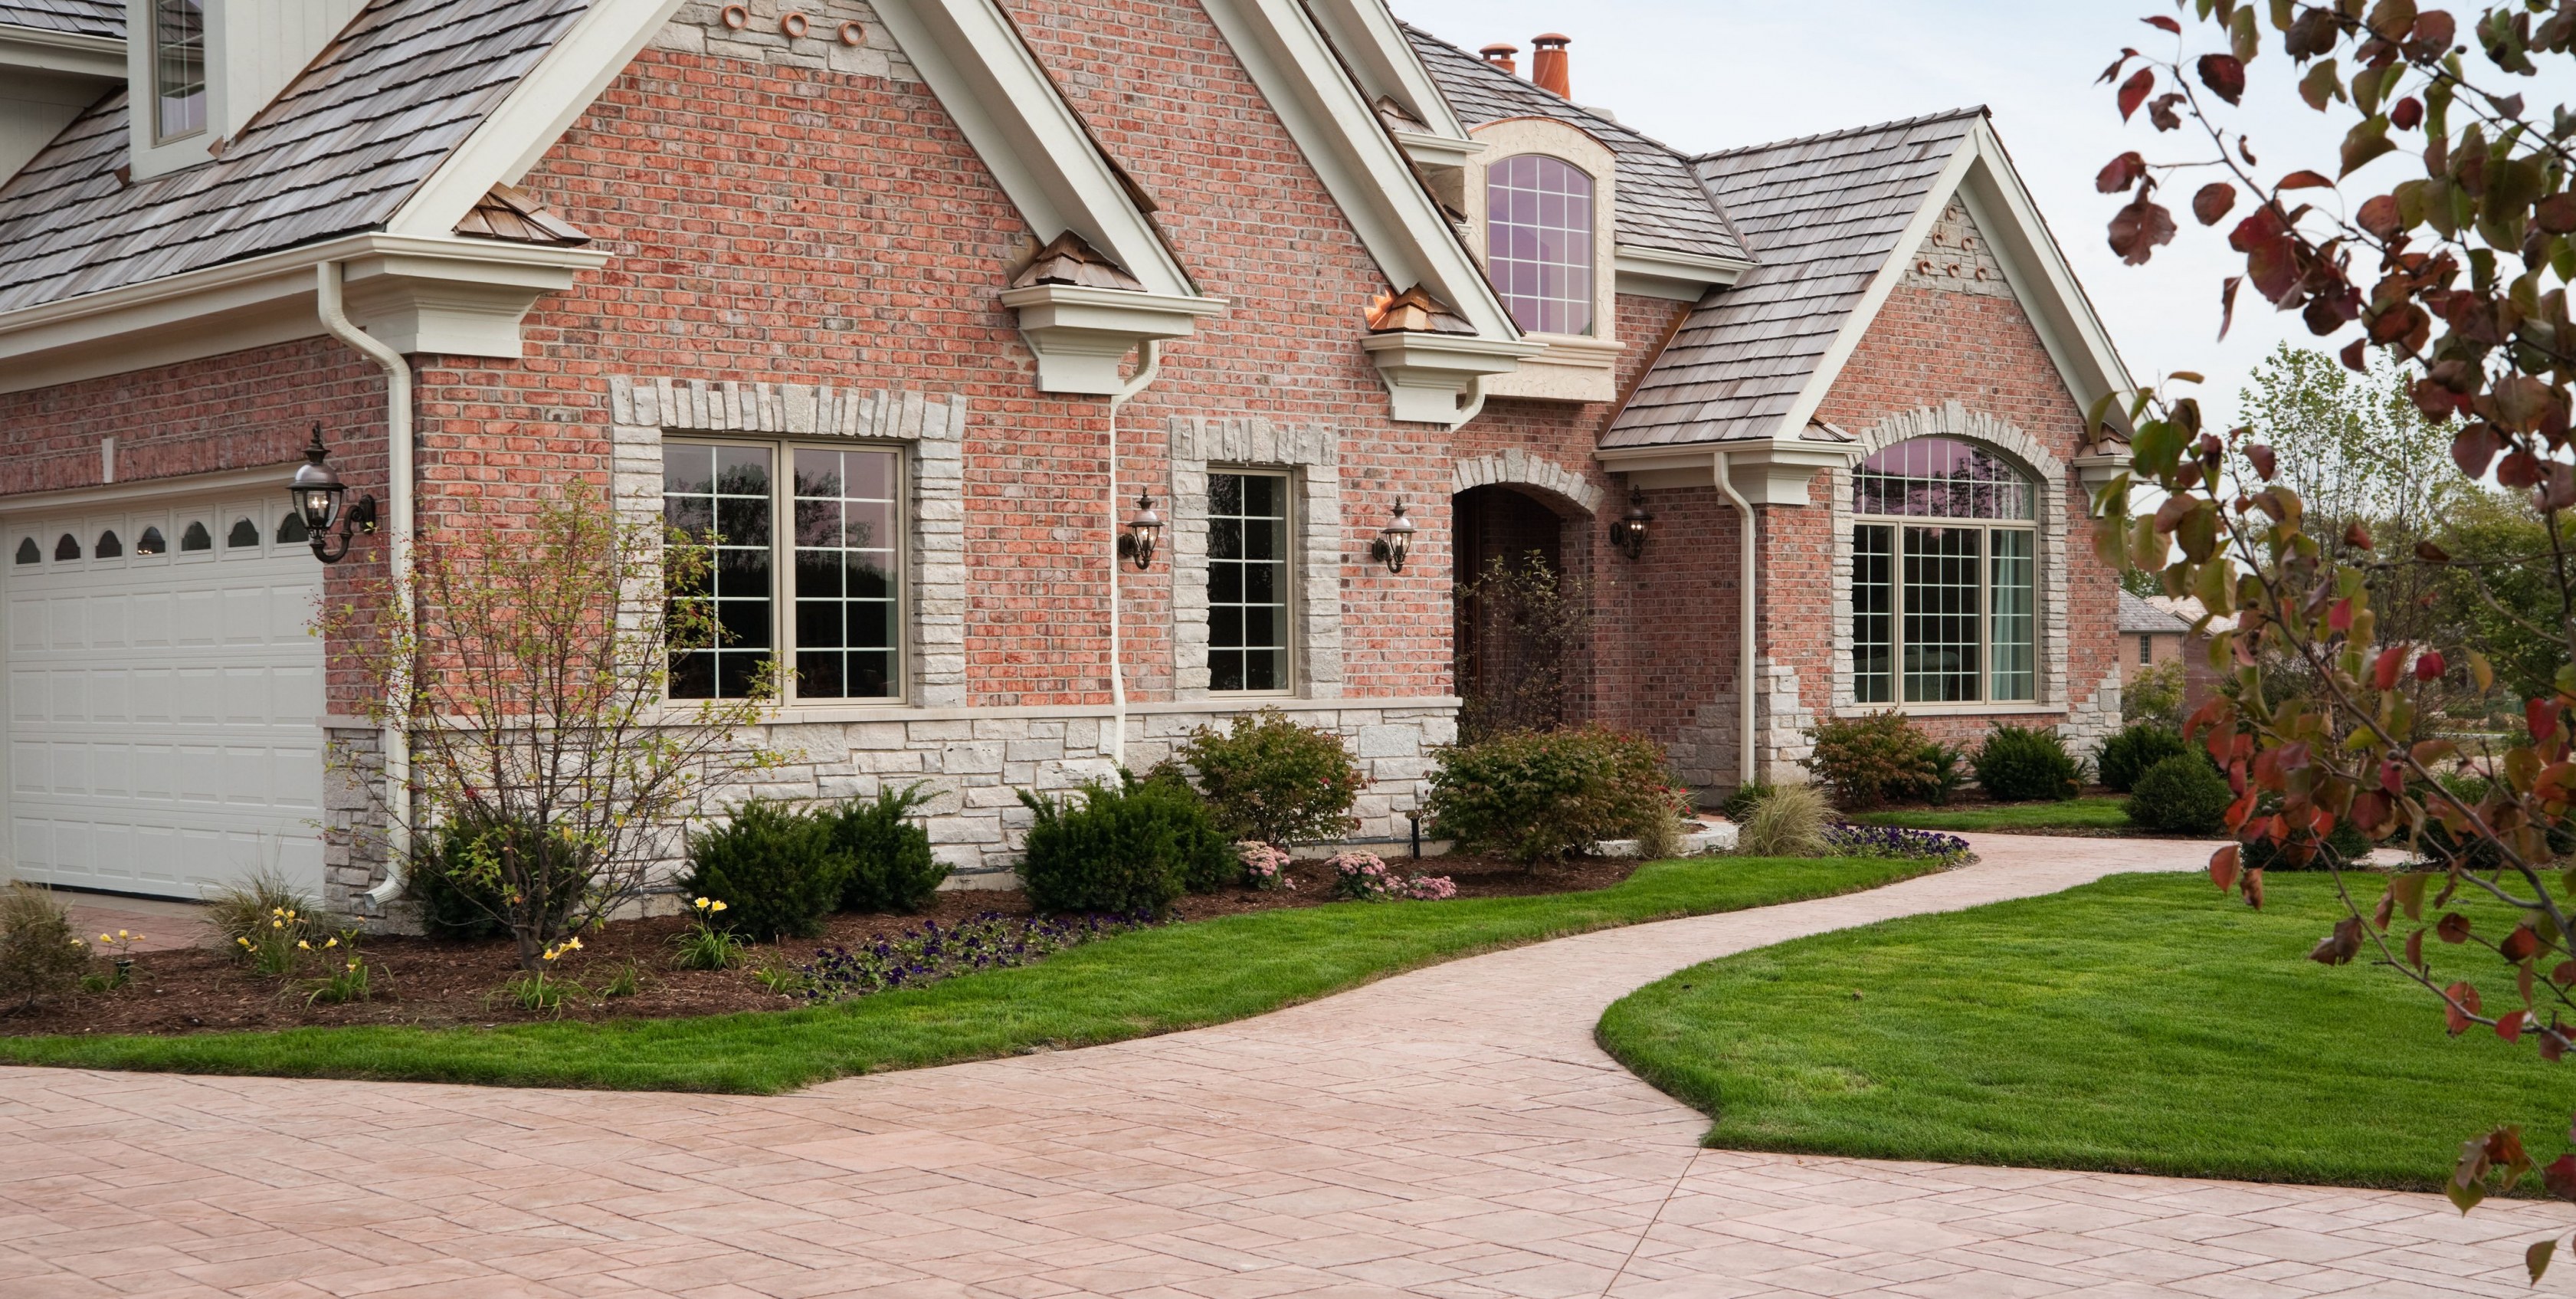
[1955, 421]
[1524, 470]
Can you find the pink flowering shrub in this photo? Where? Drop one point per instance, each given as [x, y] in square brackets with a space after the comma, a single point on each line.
[1365, 877]
[1264, 867]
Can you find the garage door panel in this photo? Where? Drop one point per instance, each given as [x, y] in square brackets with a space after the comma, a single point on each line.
[164, 712]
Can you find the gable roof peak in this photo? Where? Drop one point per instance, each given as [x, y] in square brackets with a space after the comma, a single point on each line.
[1898, 124]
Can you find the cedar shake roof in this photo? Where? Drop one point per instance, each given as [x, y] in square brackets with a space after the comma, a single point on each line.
[1661, 205]
[1823, 215]
[513, 215]
[336, 153]
[79, 17]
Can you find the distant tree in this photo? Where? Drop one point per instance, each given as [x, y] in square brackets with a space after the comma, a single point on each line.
[2352, 446]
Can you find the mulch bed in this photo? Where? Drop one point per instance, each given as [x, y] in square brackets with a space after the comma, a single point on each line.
[434, 983]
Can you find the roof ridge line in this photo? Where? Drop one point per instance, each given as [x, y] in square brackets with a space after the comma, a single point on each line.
[1972, 110]
[1518, 82]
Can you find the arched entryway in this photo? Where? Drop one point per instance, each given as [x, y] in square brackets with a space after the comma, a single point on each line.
[1520, 620]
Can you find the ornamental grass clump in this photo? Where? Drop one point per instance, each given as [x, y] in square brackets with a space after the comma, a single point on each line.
[40, 956]
[1789, 821]
[930, 952]
[246, 907]
[1270, 779]
[2019, 764]
[1538, 796]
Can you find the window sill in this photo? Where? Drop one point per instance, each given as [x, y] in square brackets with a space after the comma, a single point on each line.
[1950, 710]
[1575, 367]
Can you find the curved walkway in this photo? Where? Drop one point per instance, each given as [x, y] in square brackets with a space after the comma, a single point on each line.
[1452, 1132]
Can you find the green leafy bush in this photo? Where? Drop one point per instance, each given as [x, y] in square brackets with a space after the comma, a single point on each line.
[890, 866]
[2154, 694]
[2139, 745]
[1128, 849]
[778, 872]
[1741, 800]
[2019, 764]
[1789, 822]
[1869, 760]
[456, 876]
[1536, 796]
[1269, 779]
[2183, 794]
[40, 956]
[1949, 767]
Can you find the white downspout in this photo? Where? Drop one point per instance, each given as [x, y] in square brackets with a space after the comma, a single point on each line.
[1149, 361]
[1744, 620]
[398, 530]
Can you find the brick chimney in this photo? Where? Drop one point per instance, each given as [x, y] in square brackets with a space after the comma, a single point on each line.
[1500, 55]
[1547, 64]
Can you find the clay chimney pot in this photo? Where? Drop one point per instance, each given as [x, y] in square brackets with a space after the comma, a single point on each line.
[1500, 55]
[1547, 64]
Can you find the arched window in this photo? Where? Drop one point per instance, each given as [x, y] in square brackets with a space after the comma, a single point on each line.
[1944, 577]
[1538, 242]
[195, 537]
[152, 543]
[291, 530]
[28, 551]
[108, 546]
[67, 547]
[244, 533]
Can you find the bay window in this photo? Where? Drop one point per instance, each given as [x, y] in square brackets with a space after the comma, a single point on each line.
[802, 568]
[1944, 577]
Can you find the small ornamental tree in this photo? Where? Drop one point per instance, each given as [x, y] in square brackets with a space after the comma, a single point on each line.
[529, 663]
[2441, 241]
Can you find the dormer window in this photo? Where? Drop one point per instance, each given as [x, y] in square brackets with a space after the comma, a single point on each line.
[1539, 242]
[178, 68]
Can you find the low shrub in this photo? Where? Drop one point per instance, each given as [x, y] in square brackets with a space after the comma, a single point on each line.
[1868, 760]
[40, 956]
[1790, 822]
[777, 871]
[1268, 778]
[2345, 844]
[245, 908]
[2138, 746]
[930, 952]
[1949, 766]
[2183, 794]
[1537, 796]
[890, 866]
[1897, 842]
[2019, 764]
[1125, 849]
[707, 944]
[1365, 877]
[456, 877]
[1265, 867]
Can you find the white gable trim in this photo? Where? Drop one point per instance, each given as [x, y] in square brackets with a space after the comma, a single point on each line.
[535, 114]
[1386, 63]
[1982, 176]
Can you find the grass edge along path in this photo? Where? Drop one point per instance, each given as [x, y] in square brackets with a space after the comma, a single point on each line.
[2138, 1024]
[1151, 981]
[2091, 812]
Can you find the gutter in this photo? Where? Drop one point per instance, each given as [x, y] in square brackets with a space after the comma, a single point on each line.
[1744, 619]
[1149, 363]
[396, 740]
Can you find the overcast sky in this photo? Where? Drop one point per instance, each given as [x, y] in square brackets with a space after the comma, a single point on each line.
[1711, 74]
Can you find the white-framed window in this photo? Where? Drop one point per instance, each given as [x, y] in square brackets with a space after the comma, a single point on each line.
[178, 69]
[1248, 576]
[1944, 577]
[1539, 242]
[2146, 651]
[806, 558]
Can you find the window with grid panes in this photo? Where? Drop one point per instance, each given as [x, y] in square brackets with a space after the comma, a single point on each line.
[804, 567]
[1247, 581]
[1538, 242]
[1944, 577]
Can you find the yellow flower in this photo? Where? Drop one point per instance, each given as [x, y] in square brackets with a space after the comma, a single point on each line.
[121, 934]
[277, 924]
[303, 946]
[243, 941]
[277, 911]
[105, 939]
[717, 907]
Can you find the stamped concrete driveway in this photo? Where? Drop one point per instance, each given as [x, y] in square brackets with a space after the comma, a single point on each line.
[1451, 1132]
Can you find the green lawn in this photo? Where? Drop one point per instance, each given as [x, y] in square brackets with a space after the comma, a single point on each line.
[2092, 813]
[2144, 1023]
[1151, 981]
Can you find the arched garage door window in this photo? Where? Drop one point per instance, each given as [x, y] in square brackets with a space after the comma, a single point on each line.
[1944, 571]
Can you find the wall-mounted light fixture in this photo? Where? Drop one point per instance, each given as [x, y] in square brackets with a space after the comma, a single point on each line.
[1628, 533]
[317, 493]
[1144, 531]
[1394, 541]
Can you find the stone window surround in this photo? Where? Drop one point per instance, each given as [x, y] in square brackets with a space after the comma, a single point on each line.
[1956, 421]
[1576, 367]
[1310, 455]
[931, 431]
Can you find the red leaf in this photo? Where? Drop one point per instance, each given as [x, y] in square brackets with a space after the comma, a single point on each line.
[2224, 74]
[2406, 114]
[2339, 616]
[2353, 354]
[2161, 21]
[2434, 31]
[2535, 1259]
[2340, 946]
[2520, 945]
[2138, 228]
[2133, 91]
[2460, 1001]
[2126, 54]
[2356, 536]
[2454, 928]
[2264, 462]
[2270, 258]
[2509, 1026]
[2227, 304]
[2252, 887]
[2475, 447]
[2541, 715]
[2415, 949]
[2213, 202]
[2303, 180]
[2379, 216]
[2120, 173]
[2428, 666]
[2558, 1177]
[2383, 673]
[2222, 867]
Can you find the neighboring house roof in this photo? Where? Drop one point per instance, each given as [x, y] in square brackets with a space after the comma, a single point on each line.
[2188, 611]
[79, 17]
[337, 152]
[1661, 204]
[2140, 617]
[1824, 214]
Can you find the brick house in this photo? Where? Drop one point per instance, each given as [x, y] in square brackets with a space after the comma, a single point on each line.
[977, 273]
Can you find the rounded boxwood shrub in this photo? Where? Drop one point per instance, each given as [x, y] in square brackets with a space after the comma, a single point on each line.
[890, 866]
[2183, 794]
[2018, 764]
[1127, 849]
[777, 872]
[1536, 796]
[2127, 755]
[1269, 779]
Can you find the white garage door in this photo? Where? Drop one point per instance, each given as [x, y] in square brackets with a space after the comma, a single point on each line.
[165, 696]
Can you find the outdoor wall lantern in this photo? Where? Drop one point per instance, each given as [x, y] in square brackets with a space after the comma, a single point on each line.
[1629, 533]
[317, 493]
[1393, 541]
[1144, 529]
